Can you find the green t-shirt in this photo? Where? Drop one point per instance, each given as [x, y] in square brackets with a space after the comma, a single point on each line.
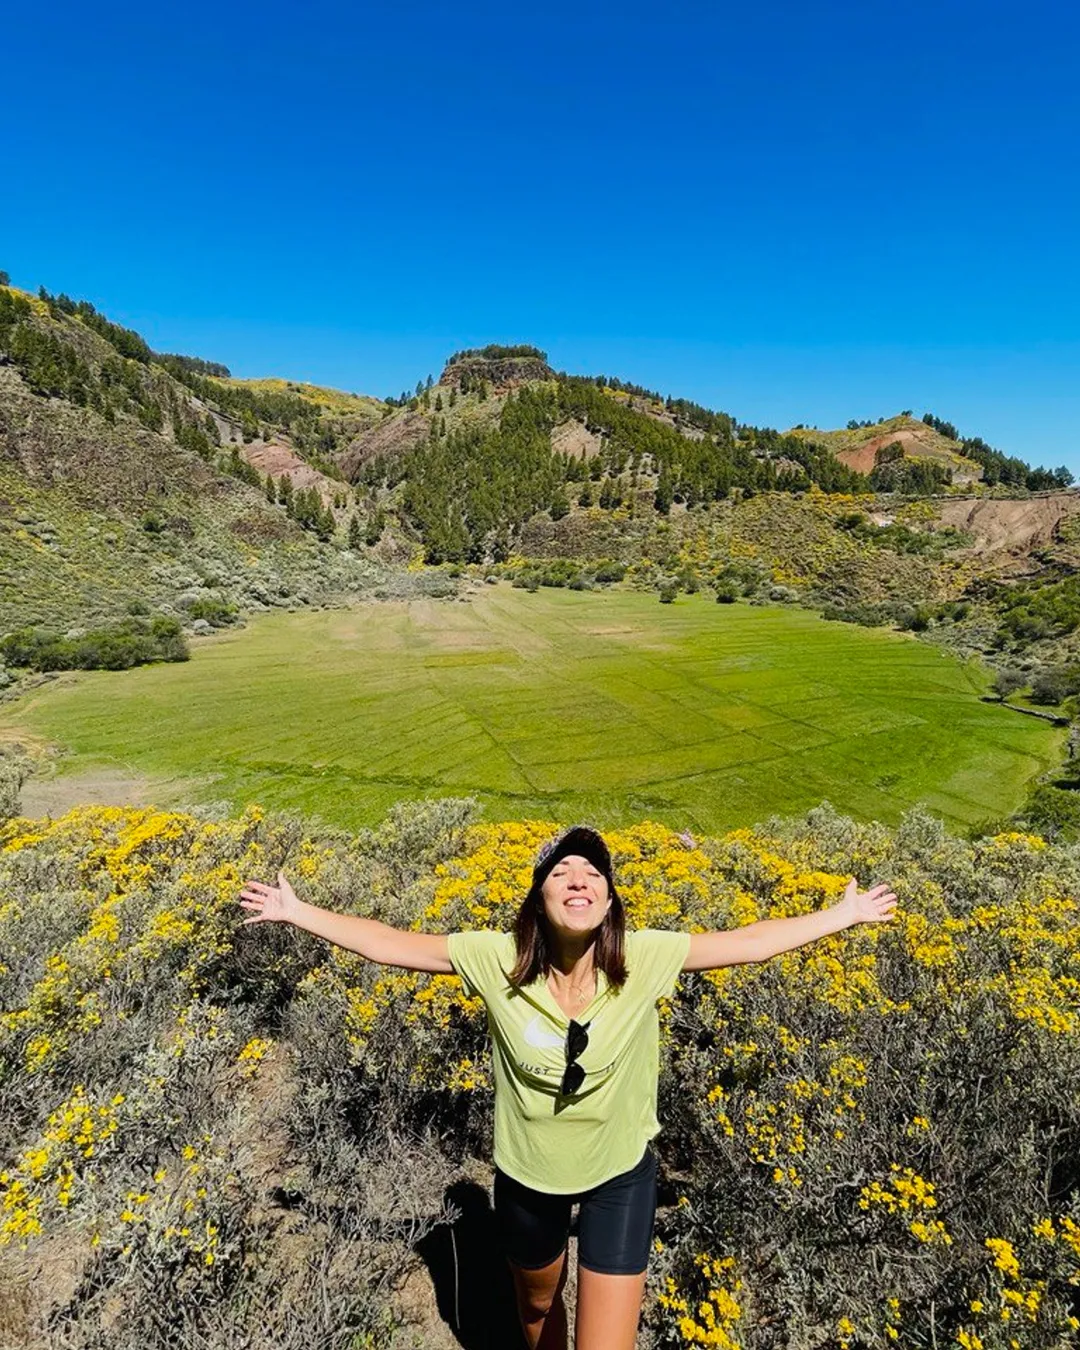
[567, 1144]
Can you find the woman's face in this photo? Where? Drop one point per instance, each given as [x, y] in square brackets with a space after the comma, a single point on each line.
[575, 894]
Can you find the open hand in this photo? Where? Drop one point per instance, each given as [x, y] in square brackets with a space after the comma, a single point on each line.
[873, 906]
[270, 903]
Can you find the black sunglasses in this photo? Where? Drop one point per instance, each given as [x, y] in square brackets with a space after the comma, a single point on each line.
[577, 1038]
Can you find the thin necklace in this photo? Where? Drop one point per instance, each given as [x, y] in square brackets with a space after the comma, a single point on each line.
[582, 993]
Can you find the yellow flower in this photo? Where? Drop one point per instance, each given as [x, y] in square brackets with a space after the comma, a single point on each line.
[1004, 1256]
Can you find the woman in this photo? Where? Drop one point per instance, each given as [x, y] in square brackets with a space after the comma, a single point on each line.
[571, 1002]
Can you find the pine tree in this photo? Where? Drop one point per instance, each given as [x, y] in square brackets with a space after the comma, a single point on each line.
[376, 522]
[271, 489]
[356, 535]
[438, 402]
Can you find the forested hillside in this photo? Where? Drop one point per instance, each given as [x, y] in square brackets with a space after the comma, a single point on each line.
[130, 492]
[459, 467]
[918, 455]
[151, 496]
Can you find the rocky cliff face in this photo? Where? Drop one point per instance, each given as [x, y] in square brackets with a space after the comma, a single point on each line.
[390, 438]
[501, 372]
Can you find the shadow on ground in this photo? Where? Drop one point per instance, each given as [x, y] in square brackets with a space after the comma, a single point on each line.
[474, 1291]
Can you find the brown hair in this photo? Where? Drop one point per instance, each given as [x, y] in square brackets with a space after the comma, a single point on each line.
[534, 940]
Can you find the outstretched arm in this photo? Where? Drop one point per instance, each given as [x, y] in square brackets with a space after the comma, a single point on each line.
[768, 937]
[372, 939]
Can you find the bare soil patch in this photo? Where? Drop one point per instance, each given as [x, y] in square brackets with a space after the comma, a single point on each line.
[276, 458]
[1010, 529]
[575, 439]
[55, 795]
[861, 457]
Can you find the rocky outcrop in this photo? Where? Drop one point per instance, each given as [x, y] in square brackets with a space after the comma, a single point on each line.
[500, 372]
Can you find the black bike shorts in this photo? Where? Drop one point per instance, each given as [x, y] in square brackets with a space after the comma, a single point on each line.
[615, 1221]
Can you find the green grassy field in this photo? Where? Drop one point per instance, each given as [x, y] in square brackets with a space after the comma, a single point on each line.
[562, 704]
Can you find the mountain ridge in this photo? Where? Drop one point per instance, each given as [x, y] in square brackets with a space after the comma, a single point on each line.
[299, 492]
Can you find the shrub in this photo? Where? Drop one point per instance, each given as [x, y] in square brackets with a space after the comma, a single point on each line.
[610, 571]
[1053, 811]
[130, 642]
[871, 1139]
[1008, 681]
[15, 769]
[914, 620]
[1054, 685]
[214, 611]
[867, 615]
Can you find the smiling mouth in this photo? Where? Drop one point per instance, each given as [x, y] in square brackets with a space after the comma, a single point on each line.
[578, 904]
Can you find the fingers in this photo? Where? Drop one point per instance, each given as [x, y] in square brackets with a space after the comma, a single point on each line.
[875, 905]
[255, 896]
[877, 895]
[259, 890]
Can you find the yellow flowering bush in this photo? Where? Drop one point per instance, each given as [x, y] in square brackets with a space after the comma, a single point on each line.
[870, 1141]
[142, 1080]
[874, 1107]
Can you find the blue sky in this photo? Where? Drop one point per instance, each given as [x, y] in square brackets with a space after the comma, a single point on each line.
[795, 212]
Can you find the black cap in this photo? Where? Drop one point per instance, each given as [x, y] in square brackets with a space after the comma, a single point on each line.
[580, 840]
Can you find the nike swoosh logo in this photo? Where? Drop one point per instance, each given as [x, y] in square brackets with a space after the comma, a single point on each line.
[537, 1034]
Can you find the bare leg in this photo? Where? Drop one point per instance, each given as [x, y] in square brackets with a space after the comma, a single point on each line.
[540, 1304]
[608, 1310]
